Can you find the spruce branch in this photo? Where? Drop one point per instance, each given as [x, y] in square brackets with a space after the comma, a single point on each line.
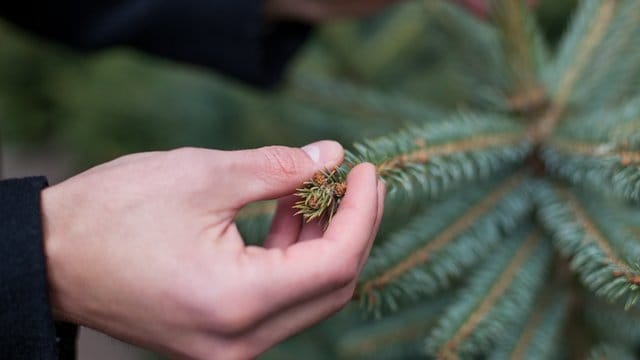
[525, 51]
[423, 154]
[390, 38]
[591, 25]
[476, 61]
[435, 243]
[601, 167]
[394, 337]
[623, 156]
[427, 160]
[593, 67]
[362, 105]
[611, 322]
[599, 257]
[539, 337]
[611, 351]
[606, 80]
[395, 38]
[600, 151]
[447, 152]
[499, 296]
[615, 125]
[428, 253]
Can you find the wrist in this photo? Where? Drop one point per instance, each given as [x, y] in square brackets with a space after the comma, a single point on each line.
[53, 224]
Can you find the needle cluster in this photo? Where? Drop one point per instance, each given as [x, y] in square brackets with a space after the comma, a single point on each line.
[321, 195]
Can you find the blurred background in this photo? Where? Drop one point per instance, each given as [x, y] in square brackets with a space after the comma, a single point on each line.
[62, 112]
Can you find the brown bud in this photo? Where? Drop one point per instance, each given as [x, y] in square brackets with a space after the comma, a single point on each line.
[340, 189]
[319, 178]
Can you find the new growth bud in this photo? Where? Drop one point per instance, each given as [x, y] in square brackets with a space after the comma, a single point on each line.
[320, 196]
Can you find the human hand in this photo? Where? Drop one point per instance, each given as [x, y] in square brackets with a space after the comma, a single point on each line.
[323, 10]
[144, 248]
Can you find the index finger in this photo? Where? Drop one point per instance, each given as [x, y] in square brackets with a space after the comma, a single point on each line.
[354, 223]
[328, 263]
[318, 266]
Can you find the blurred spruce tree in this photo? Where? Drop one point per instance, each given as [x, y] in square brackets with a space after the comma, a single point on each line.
[512, 228]
[512, 222]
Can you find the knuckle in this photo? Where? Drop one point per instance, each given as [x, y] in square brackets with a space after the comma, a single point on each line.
[347, 294]
[342, 298]
[346, 273]
[229, 348]
[282, 162]
[336, 306]
[190, 163]
[190, 156]
[232, 317]
[181, 156]
[195, 351]
[240, 349]
[184, 152]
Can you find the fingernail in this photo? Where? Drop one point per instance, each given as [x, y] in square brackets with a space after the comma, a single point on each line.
[325, 153]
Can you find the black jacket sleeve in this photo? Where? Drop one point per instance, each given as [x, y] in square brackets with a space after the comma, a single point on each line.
[27, 329]
[227, 35]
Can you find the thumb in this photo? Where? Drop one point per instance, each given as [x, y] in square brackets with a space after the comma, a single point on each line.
[274, 171]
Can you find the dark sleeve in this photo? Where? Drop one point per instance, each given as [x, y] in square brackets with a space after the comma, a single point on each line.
[27, 329]
[227, 35]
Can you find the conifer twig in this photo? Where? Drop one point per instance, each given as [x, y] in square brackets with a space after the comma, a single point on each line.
[397, 157]
[589, 43]
[625, 156]
[523, 47]
[584, 53]
[320, 197]
[580, 237]
[592, 233]
[422, 254]
[539, 335]
[449, 350]
[423, 154]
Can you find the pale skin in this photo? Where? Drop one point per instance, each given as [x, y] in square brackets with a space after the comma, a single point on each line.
[145, 248]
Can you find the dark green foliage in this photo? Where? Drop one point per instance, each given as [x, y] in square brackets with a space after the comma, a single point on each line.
[394, 337]
[361, 106]
[600, 150]
[612, 323]
[601, 248]
[425, 161]
[594, 63]
[608, 351]
[443, 242]
[604, 172]
[498, 296]
[540, 336]
[254, 221]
